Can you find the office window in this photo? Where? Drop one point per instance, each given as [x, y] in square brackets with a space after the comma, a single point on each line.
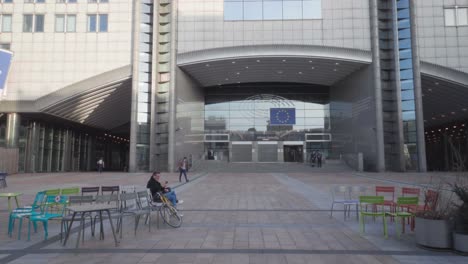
[98, 1]
[39, 23]
[65, 23]
[31, 22]
[102, 23]
[67, 1]
[5, 46]
[7, 1]
[34, 1]
[456, 16]
[100, 20]
[6, 23]
[27, 23]
[235, 10]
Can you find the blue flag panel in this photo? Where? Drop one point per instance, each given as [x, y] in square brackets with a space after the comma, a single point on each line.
[5, 62]
[282, 116]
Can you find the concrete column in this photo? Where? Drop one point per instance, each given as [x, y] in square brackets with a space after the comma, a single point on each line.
[134, 108]
[379, 130]
[280, 151]
[254, 151]
[172, 91]
[12, 130]
[418, 92]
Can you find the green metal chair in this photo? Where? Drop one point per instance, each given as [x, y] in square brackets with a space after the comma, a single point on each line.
[53, 208]
[402, 204]
[26, 211]
[70, 191]
[52, 192]
[374, 202]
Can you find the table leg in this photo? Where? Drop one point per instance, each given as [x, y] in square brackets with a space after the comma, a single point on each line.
[69, 229]
[112, 227]
[9, 204]
[101, 232]
[17, 203]
[81, 230]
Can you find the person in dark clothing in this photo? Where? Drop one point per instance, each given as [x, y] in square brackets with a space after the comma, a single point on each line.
[155, 186]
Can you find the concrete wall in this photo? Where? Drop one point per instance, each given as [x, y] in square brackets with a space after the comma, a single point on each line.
[47, 61]
[440, 44]
[353, 117]
[201, 25]
[189, 118]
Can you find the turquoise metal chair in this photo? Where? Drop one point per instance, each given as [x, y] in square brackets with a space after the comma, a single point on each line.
[53, 208]
[27, 211]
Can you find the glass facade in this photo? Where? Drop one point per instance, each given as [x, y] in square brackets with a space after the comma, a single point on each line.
[277, 112]
[406, 79]
[272, 9]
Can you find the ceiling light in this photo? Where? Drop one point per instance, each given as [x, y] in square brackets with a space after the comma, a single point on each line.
[436, 83]
[238, 73]
[246, 67]
[233, 62]
[433, 118]
[335, 69]
[464, 109]
[313, 68]
[442, 115]
[452, 113]
[430, 90]
[227, 79]
[258, 60]
[310, 61]
[279, 72]
[337, 63]
[300, 72]
[207, 65]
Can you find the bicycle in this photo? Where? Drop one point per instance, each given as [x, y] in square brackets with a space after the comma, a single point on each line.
[168, 212]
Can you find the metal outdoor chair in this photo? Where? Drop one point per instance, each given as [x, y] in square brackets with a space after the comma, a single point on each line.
[3, 183]
[402, 203]
[53, 208]
[24, 212]
[340, 195]
[375, 202]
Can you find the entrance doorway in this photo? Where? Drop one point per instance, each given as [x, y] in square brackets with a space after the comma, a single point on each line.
[293, 153]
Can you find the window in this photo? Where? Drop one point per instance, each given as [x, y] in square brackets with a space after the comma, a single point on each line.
[6, 23]
[93, 23]
[66, 1]
[7, 1]
[272, 9]
[98, 1]
[65, 23]
[456, 16]
[31, 22]
[5, 46]
[34, 1]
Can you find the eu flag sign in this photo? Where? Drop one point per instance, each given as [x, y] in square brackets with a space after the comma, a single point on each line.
[5, 62]
[282, 116]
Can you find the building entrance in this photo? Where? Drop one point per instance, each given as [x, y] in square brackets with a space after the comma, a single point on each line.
[293, 153]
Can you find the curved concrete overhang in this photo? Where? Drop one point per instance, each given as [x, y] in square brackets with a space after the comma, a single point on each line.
[101, 101]
[444, 92]
[272, 63]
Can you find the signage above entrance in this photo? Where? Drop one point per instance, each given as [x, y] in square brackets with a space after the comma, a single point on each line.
[282, 116]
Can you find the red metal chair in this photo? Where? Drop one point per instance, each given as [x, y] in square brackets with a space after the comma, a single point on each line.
[386, 192]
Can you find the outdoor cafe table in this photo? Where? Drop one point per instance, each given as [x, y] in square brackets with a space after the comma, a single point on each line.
[9, 196]
[89, 208]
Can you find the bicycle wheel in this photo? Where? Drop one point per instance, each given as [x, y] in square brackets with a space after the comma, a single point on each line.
[170, 215]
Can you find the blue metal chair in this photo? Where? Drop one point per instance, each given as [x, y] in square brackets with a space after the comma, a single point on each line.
[27, 211]
[53, 208]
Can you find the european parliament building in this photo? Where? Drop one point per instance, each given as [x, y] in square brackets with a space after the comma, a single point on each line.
[143, 83]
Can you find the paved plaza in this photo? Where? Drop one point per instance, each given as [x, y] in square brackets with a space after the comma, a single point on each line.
[233, 213]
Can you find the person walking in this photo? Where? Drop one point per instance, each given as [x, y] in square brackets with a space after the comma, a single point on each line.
[319, 159]
[100, 164]
[183, 169]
